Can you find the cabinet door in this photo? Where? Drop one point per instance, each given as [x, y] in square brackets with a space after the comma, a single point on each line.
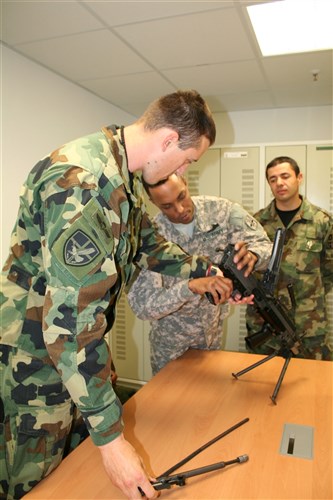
[203, 177]
[319, 176]
[240, 176]
[126, 340]
[319, 190]
[234, 330]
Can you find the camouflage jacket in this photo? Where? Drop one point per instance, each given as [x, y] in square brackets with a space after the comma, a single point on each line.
[177, 314]
[307, 264]
[81, 222]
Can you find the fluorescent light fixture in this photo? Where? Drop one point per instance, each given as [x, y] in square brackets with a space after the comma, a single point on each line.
[292, 26]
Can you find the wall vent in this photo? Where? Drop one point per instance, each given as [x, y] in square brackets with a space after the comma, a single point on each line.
[242, 329]
[119, 344]
[192, 176]
[248, 191]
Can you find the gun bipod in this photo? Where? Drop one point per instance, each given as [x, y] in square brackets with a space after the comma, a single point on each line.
[165, 480]
[264, 360]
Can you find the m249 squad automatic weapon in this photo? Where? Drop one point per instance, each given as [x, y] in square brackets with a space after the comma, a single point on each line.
[277, 321]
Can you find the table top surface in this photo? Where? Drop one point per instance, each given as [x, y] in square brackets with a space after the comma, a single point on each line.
[193, 400]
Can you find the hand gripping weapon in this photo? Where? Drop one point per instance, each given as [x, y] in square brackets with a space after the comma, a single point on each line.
[165, 481]
[277, 322]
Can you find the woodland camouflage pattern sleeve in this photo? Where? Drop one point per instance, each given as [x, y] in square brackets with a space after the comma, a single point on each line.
[77, 232]
[80, 272]
[161, 256]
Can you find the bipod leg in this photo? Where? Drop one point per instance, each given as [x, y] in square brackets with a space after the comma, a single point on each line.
[267, 358]
[279, 382]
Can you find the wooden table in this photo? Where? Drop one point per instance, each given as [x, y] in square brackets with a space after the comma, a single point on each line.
[194, 399]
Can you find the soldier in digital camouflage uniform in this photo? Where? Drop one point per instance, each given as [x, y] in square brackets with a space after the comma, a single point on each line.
[307, 261]
[81, 223]
[179, 318]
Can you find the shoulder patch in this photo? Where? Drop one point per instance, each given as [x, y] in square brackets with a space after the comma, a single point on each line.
[80, 250]
[251, 222]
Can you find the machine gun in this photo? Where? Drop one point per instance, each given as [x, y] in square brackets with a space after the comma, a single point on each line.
[277, 322]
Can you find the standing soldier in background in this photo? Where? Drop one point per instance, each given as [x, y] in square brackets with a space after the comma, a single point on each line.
[81, 224]
[180, 318]
[307, 261]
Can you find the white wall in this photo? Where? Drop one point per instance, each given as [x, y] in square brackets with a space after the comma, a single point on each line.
[40, 112]
[275, 125]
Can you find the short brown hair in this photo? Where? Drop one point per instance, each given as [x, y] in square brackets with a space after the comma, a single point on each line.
[185, 112]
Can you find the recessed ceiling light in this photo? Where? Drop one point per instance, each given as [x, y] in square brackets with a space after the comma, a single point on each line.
[292, 26]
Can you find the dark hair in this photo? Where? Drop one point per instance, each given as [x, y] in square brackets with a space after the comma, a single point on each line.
[283, 159]
[148, 186]
[185, 112]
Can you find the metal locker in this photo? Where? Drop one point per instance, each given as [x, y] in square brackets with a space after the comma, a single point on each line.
[240, 168]
[319, 191]
[126, 340]
[240, 176]
[203, 177]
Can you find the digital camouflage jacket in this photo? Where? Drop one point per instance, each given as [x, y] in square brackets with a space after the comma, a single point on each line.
[179, 318]
[81, 222]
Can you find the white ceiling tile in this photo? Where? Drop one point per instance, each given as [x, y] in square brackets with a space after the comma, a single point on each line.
[295, 69]
[127, 90]
[205, 38]
[119, 13]
[220, 78]
[29, 21]
[87, 55]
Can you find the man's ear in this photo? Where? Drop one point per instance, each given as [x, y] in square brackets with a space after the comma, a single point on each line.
[170, 139]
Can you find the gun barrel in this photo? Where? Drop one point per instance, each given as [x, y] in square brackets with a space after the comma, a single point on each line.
[179, 479]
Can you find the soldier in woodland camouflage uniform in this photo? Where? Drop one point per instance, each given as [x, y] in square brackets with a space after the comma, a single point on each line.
[307, 261]
[181, 319]
[81, 223]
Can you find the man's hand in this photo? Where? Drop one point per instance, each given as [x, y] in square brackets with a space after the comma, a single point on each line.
[125, 469]
[243, 257]
[218, 286]
[238, 300]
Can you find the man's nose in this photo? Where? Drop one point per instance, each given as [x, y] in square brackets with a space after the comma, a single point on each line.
[179, 208]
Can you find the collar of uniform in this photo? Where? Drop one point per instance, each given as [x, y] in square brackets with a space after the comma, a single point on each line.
[304, 212]
[113, 136]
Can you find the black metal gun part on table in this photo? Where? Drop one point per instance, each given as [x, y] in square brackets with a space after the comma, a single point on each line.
[165, 480]
[277, 321]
